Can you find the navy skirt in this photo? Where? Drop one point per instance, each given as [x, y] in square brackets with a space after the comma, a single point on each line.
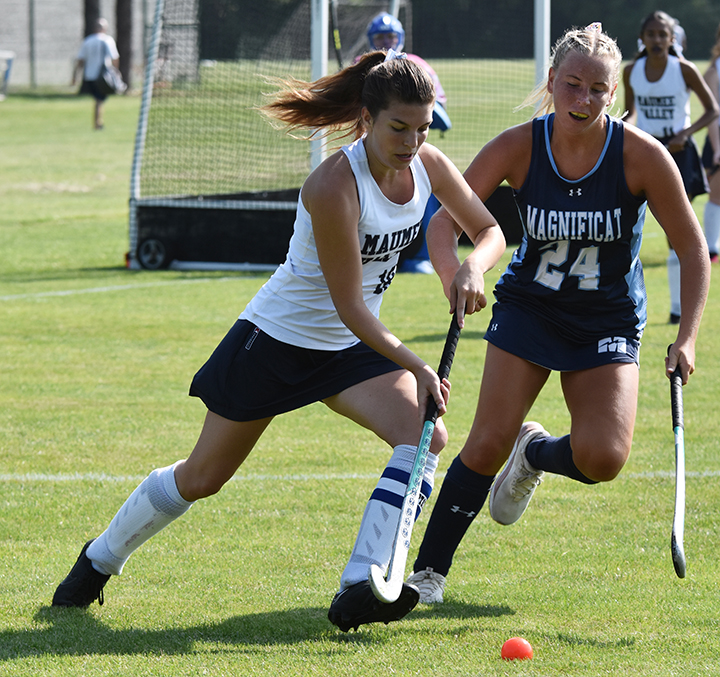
[251, 375]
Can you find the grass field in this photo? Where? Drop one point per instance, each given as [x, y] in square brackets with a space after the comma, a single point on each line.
[95, 362]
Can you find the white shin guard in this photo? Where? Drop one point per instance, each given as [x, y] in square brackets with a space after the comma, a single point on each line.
[711, 224]
[673, 268]
[379, 523]
[152, 506]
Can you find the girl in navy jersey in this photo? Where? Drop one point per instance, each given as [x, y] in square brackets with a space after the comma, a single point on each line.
[571, 300]
[312, 333]
[658, 84]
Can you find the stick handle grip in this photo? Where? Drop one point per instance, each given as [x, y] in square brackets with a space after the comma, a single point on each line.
[676, 398]
[448, 354]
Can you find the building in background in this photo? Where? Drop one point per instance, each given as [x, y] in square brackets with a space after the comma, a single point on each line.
[45, 36]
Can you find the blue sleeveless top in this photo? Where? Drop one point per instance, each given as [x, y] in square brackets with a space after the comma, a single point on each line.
[578, 265]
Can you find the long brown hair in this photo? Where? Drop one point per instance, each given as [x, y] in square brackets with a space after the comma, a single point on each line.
[333, 103]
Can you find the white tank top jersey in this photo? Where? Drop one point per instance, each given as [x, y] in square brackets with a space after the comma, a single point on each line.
[294, 305]
[663, 107]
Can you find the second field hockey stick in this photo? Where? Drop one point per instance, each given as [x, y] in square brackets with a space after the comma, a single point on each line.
[388, 589]
[678, 527]
[336, 32]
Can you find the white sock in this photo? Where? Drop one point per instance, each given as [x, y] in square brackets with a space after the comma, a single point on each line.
[673, 268]
[379, 523]
[711, 223]
[152, 506]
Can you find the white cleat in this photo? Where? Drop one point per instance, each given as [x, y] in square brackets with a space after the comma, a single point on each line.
[515, 485]
[430, 584]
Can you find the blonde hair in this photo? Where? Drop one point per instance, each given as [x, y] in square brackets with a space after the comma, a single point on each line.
[591, 41]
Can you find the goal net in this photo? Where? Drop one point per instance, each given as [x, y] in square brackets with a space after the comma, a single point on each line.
[213, 183]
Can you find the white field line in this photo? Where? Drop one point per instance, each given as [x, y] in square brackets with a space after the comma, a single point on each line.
[102, 477]
[109, 288]
[318, 477]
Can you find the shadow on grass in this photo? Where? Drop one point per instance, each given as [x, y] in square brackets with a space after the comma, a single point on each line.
[71, 632]
[76, 274]
[575, 641]
[44, 93]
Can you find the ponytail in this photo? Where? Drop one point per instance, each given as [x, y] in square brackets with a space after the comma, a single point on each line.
[334, 103]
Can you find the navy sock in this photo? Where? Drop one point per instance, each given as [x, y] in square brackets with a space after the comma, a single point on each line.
[461, 497]
[554, 454]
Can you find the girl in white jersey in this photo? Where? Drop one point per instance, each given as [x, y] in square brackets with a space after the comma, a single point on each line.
[711, 158]
[313, 333]
[658, 84]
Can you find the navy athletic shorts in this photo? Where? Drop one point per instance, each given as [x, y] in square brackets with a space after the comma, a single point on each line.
[690, 166]
[707, 155]
[532, 337]
[251, 375]
[90, 87]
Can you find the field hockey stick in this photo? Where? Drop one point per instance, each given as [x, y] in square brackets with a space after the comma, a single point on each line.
[336, 32]
[678, 527]
[388, 589]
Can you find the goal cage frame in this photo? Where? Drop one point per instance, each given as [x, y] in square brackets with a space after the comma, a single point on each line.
[250, 229]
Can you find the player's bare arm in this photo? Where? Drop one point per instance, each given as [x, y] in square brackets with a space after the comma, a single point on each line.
[629, 95]
[713, 82]
[464, 283]
[651, 171]
[696, 84]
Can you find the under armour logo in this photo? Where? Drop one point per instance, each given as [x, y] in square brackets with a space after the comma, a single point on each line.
[616, 344]
[456, 508]
[575, 192]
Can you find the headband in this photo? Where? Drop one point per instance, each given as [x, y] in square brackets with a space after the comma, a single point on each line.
[392, 54]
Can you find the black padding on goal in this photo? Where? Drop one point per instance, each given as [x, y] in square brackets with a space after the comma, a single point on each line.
[503, 207]
[220, 235]
[212, 235]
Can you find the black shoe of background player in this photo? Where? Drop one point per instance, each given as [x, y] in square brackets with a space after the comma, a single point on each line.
[83, 585]
[674, 319]
[357, 605]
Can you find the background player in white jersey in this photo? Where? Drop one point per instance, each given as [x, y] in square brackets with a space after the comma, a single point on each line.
[571, 300]
[96, 49]
[658, 84]
[711, 158]
[312, 333]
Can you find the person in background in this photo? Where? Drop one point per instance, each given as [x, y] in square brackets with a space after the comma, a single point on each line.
[97, 48]
[711, 158]
[572, 299]
[387, 32]
[658, 84]
[680, 39]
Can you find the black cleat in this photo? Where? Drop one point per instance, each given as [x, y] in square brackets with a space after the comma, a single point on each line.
[83, 585]
[358, 605]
